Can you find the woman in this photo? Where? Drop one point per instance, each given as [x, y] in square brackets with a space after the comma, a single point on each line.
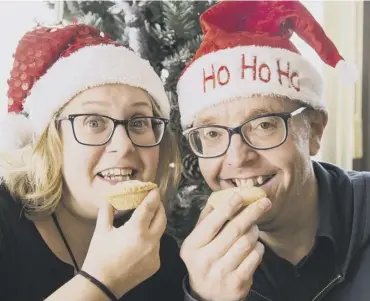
[96, 116]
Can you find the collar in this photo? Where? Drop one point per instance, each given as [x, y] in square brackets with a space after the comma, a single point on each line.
[329, 225]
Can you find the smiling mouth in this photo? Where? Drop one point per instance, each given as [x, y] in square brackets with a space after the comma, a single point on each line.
[251, 182]
[118, 174]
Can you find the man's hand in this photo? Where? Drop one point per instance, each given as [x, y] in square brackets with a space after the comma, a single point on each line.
[223, 252]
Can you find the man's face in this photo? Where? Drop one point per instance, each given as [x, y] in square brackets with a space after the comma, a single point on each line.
[283, 170]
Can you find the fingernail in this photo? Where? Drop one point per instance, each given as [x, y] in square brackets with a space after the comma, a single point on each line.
[264, 204]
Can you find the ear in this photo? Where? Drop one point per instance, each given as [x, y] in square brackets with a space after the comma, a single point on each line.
[318, 121]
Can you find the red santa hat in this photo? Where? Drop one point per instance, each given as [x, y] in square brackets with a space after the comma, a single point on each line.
[52, 65]
[246, 50]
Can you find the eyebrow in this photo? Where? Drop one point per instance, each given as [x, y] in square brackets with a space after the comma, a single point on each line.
[105, 104]
[94, 102]
[213, 119]
[142, 104]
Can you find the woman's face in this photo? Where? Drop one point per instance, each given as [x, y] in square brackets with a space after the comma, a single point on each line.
[90, 171]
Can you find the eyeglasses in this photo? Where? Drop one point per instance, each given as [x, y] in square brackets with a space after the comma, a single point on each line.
[262, 133]
[96, 130]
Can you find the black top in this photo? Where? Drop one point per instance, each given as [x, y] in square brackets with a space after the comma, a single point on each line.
[30, 271]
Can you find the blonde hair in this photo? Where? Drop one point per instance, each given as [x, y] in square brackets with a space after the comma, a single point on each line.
[34, 173]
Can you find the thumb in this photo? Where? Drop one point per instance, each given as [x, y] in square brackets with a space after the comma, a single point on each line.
[145, 212]
[104, 221]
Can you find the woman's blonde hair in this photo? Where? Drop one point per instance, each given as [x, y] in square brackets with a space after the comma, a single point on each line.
[34, 173]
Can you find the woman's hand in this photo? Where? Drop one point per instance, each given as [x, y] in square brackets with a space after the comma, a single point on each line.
[121, 258]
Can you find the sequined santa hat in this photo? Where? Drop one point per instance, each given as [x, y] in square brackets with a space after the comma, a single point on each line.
[52, 65]
[246, 50]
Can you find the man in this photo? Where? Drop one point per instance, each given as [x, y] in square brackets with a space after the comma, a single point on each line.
[253, 112]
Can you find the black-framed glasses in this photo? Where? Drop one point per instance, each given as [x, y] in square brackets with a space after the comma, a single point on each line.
[262, 132]
[97, 130]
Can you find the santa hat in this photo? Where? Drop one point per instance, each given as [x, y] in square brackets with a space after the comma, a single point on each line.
[52, 65]
[246, 50]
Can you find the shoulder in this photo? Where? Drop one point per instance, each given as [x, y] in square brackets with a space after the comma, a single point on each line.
[356, 178]
[10, 215]
[9, 207]
[10, 212]
[360, 178]
[355, 185]
[360, 181]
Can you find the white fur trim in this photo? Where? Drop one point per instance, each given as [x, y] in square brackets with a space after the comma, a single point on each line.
[347, 72]
[15, 132]
[88, 67]
[193, 99]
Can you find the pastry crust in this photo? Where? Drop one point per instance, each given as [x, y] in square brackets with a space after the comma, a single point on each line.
[249, 194]
[129, 194]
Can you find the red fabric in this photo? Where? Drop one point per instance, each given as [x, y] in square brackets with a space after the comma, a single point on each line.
[262, 23]
[39, 49]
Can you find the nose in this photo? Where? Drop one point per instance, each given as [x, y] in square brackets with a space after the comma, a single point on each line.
[120, 142]
[239, 153]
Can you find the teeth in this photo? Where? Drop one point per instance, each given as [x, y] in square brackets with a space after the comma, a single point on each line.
[240, 182]
[118, 178]
[116, 172]
[251, 182]
[244, 182]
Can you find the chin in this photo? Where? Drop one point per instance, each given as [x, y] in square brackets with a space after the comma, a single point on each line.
[266, 222]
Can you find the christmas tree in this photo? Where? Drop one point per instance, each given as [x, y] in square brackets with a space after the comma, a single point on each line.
[167, 33]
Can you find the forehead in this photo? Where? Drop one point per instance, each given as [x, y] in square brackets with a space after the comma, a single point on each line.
[111, 96]
[238, 110]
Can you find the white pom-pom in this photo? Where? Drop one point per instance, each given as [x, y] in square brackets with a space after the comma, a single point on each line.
[347, 72]
[15, 132]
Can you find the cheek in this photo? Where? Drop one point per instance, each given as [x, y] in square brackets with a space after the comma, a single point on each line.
[288, 154]
[78, 161]
[210, 169]
[292, 158]
[150, 159]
